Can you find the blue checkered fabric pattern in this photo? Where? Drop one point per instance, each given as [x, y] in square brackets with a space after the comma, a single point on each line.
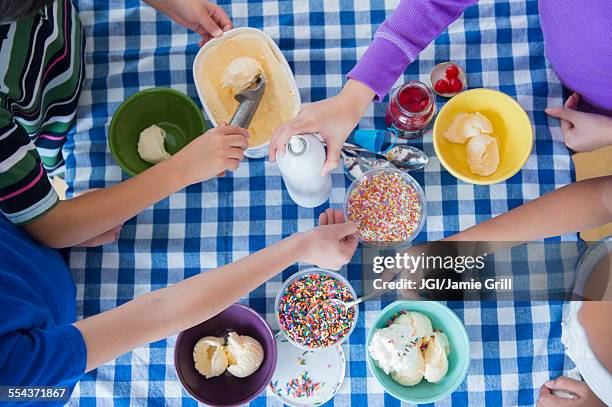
[515, 347]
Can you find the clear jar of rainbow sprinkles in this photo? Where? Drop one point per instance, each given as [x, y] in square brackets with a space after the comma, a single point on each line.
[303, 316]
[387, 205]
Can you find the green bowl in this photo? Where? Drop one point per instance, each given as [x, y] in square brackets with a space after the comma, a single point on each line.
[171, 110]
[442, 318]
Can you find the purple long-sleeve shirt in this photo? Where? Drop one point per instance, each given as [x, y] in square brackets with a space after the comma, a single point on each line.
[576, 34]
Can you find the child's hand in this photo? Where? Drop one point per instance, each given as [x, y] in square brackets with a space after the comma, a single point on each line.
[583, 395]
[214, 152]
[582, 131]
[332, 118]
[332, 244]
[206, 18]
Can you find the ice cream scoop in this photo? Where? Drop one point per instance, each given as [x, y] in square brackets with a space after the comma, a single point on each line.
[241, 73]
[210, 357]
[151, 145]
[245, 354]
[483, 155]
[249, 100]
[411, 373]
[436, 357]
[477, 124]
[454, 133]
[467, 125]
[398, 353]
[418, 324]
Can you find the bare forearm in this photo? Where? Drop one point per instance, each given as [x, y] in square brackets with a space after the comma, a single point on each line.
[167, 311]
[79, 219]
[572, 208]
[358, 96]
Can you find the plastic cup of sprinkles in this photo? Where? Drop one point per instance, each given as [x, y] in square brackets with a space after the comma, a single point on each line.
[388, 207]
[327, 325]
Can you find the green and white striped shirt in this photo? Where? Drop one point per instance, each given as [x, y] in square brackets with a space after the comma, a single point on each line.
[41, 72]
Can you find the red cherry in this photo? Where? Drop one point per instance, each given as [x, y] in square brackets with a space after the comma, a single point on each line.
[413, 107]
[423, 104]
[452, 72]
[410, 98]
[414, 93]
[455, 85]
[404, 100]
[442, 86]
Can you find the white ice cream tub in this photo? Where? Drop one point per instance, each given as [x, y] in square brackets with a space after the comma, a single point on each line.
[262, 149]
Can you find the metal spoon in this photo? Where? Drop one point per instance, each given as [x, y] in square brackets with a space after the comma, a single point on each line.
[402, 156]
[346, 305]
[407, 157]
[356, 165]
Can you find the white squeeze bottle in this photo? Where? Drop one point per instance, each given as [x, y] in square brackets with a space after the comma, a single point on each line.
[301, 166]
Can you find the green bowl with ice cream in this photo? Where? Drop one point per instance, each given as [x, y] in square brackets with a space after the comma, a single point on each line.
[174, 112]
[457, 351]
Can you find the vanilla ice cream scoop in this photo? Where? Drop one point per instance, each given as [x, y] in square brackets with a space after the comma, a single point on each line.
[397, 352]
[455, 133]
[411, 373]
[210, 357]
[477, 124]
[467, 125]
[483, 155]
[241, 73]
[436, 357]
[151, 145]
[245, 355]
[418, 324]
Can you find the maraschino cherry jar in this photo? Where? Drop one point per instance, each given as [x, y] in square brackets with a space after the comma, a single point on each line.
[411, 108]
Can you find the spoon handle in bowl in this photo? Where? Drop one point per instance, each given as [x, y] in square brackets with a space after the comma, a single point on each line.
[369, 296]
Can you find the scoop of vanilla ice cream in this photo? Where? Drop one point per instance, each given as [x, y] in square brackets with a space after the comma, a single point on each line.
[411, 372]
[210, 357]
[483, 155]
[477, 124]
[241, 73]
[467, 125]
[393, 347]
[454, 133]
[245, 354]
[418, 324]
[151, 145]
[436, 357]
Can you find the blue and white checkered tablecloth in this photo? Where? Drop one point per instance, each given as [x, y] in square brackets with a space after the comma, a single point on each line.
[514, 347]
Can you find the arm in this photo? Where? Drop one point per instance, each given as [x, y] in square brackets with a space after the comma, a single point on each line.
[204, 17]
[72, 221]
[199, 298]
[578, 206]
[411, 27]
[399, 40]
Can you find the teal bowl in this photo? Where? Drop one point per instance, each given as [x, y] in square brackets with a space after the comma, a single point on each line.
[442, 318]
[170, 109]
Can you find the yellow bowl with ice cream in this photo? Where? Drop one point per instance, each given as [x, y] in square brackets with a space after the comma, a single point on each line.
[511, 127]
[281, 99]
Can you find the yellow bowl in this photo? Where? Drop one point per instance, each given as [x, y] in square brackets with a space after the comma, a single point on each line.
[511, 127]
